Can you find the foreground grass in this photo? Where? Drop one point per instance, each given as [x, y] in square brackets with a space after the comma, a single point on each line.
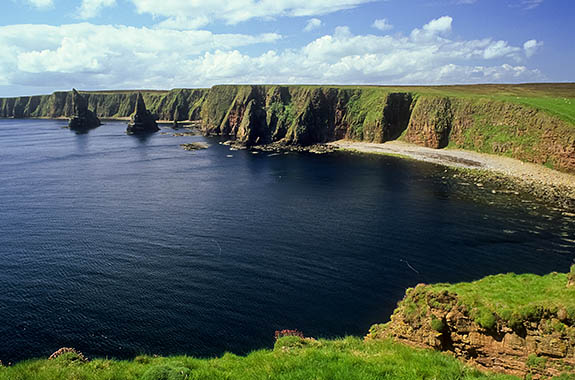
[291, 358]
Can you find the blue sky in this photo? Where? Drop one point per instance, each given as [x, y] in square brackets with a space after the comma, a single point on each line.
[53, 45]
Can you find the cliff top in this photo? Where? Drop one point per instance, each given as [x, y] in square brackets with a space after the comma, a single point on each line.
[512, 297]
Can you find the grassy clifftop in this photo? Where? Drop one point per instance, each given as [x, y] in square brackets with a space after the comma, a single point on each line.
[522, 324]
[532, 122]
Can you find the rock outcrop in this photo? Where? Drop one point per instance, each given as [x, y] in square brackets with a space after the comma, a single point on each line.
[82, 118]
[571, 277]
[142, 120]
[540, 345]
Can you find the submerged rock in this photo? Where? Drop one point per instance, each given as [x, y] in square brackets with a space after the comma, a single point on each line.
[82, 118]
[194, 146]
[142, 120]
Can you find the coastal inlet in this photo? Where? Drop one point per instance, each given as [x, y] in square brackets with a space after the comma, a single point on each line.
[119, 244]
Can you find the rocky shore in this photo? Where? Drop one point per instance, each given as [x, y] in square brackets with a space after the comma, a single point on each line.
[541, 182]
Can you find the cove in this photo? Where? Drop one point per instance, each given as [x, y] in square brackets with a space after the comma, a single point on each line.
[119, 245]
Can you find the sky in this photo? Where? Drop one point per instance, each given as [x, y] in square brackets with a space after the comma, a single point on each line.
[50, 45]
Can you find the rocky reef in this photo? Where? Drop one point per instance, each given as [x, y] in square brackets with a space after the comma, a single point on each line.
[82, 118]
[535, 126]
[142, 120]
[517, 324]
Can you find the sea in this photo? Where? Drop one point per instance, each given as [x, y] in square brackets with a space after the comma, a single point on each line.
[122, 245]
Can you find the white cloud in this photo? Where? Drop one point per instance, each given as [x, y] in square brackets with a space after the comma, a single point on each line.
[531, 4]
[183, 23]
[235, 11]
[312, 24]
[499, 49]
[438, 26]
[92, 8]
[382, 24]
[104, 56]
[531, 47]
[41, 3]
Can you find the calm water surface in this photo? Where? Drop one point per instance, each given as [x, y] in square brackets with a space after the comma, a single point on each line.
[119, 245]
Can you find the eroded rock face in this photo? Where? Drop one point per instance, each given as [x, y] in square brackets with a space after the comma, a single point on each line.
[431, 122]
[535, 347]
[82, 118]
[142, 120]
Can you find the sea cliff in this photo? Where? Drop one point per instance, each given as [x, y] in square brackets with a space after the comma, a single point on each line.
[518, 324]
[533, 123]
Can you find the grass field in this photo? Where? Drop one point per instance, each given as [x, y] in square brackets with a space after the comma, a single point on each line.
[292, 358]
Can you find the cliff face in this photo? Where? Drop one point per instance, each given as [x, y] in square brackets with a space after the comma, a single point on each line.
[305, 115]
[182, 103]
[536, 338]
[495, 127]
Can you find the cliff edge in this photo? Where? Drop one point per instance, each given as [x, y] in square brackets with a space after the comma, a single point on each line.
[516, 324]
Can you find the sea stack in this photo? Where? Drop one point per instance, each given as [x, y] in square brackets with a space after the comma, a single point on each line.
[82, 118]
[142, 120]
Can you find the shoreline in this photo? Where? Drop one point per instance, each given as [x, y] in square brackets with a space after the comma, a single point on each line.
[540, 181]
[537, 179]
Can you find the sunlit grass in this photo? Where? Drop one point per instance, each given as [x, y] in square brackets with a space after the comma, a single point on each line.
[292, 358]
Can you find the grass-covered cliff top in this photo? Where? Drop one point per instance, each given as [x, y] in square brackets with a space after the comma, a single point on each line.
[510, 298]
[291, 358]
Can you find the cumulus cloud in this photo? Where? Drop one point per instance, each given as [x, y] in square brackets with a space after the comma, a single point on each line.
[104, 56]
[312, 24]
[235, 11]
[382, 24]
[41, 3]
[433, 28]
[92, 8]
[531, 47]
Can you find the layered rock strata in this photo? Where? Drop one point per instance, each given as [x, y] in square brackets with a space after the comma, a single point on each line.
[539, 346]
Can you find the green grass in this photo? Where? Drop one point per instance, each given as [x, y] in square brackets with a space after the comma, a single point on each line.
[564, 108]
[514, 297]
[292, 358]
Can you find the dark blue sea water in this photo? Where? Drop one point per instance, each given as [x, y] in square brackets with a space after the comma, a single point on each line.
[118, 245]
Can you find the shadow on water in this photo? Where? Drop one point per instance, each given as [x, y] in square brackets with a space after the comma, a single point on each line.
[142, 138]
[81, 141]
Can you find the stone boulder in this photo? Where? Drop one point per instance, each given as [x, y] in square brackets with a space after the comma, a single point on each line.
[82, 118]
[142, 120]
